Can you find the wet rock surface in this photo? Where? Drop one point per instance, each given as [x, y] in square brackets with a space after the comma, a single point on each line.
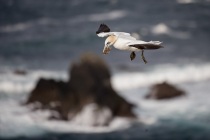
[89, 82]
[164, 91]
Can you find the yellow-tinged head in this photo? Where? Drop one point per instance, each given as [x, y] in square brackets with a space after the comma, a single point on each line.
[110, 40]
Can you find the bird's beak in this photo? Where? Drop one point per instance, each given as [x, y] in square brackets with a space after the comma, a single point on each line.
[106, 49]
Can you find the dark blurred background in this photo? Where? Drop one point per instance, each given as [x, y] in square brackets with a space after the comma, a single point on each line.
[36, 32]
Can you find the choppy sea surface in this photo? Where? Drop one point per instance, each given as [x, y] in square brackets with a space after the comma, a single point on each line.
[45, 37]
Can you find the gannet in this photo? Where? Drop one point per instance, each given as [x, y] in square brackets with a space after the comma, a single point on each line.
[124, 41]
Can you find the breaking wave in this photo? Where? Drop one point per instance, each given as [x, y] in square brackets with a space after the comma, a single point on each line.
[10, 82]
[163, 29]
[170, 73]
[35, 123]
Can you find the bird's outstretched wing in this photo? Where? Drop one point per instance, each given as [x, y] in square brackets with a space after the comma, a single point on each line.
[145, 45]
[104, 31]
[103, 28]
[104, 34]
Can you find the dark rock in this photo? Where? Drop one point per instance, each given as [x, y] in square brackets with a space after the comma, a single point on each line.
[164, 91]
[51, 95]
[91, 78]
[89, 82]
[20, 72]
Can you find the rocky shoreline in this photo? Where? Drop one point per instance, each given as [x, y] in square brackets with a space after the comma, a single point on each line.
[88, 91]
[88, 83]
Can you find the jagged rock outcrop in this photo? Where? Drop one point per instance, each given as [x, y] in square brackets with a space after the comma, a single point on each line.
[164, 91]
[89, 82]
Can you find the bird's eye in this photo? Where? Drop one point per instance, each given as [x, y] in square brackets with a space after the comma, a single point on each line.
[107, 43]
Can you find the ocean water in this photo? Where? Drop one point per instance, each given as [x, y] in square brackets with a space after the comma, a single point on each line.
[45, 37]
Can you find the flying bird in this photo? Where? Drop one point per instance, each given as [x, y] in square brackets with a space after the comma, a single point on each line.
[124, 41]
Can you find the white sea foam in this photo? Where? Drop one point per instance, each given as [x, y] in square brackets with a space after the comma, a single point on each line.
[17, 120]
[163, 29]
[194, 105]
[10, 82]
[92, 115]
[185, 1]
[135, 35]
[170, 73]
[26, 25]
[22, 26]
[16, 27]
[108, 15]
[112, 15]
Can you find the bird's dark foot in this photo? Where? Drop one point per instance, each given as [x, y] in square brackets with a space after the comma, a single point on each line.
[142, 56]
[106, 50]
[132, 55]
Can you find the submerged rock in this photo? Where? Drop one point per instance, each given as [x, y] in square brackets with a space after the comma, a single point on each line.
[164, 91]
[20, 72]
[89, 83]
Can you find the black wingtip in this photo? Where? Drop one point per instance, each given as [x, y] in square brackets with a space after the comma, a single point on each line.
[103, 28]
